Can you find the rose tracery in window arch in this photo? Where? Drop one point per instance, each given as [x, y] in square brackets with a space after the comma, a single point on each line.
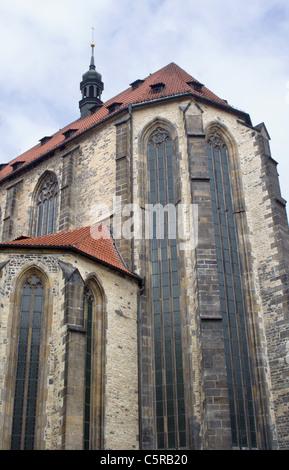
[47, 206]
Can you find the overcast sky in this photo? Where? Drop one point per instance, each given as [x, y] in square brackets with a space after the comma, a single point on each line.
[237, 48]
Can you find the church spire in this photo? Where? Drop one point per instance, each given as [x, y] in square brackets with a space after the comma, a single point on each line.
[92, 65]
[91, 88]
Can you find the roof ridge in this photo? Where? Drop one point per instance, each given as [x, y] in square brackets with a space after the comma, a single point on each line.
[181, 72]
[176, 81]
[48, 235]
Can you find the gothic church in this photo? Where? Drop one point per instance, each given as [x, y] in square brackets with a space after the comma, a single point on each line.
[111, 341]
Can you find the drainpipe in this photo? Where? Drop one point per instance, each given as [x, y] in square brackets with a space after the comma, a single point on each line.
[131, 178]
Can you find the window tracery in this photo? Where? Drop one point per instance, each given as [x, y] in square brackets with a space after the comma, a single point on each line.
[231, 297]
[27, 365]
[47, 206]
[169, 371]
[88, 300]
[93, 320]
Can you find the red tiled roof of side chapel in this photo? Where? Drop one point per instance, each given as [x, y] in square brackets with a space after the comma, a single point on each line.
[176, 81]
[95, 241]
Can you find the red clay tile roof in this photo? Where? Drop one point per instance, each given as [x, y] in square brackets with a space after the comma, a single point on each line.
[176, 82]
[95, 241]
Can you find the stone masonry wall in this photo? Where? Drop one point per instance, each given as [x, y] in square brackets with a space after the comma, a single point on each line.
[268, 342]
[264, 240]
[120, 392]
[86, 177]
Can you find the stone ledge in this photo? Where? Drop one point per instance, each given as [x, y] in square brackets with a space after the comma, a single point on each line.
[76, 329]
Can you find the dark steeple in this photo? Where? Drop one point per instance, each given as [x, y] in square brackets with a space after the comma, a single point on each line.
[91, 88]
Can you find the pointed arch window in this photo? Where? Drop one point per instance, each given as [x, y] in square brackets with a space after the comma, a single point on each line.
[88, 301]
[27, 367]
[47, 206]
[169, 372]
[231, 298]
[93, 317]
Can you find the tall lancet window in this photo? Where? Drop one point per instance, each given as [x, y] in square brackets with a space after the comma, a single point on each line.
[27, 367]
[47, 206]
[169, 382]
[232, 305]
[93, 392]
[88, 301]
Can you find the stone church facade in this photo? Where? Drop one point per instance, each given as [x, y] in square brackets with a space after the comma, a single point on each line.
[113, 339]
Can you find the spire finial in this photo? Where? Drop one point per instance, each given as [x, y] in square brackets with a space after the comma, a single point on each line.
[92, 34]
[92, 65]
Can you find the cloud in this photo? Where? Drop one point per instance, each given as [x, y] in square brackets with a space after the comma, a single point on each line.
[238, 49]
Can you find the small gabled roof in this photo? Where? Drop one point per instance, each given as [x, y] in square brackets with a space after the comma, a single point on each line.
[263, 130]
[175, 81]
[94, 242]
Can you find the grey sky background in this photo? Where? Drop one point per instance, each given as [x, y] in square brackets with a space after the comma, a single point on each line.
[237, 48]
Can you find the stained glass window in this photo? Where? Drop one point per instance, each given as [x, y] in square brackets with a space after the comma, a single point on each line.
[88, 309]
[47, 206]
[26, 382]
[169, 382]
[232, 305]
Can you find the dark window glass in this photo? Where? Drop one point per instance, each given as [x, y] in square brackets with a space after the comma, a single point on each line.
[27, 367]
[236, 348]
[47, 206]
[88, 308]
[169, 393]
